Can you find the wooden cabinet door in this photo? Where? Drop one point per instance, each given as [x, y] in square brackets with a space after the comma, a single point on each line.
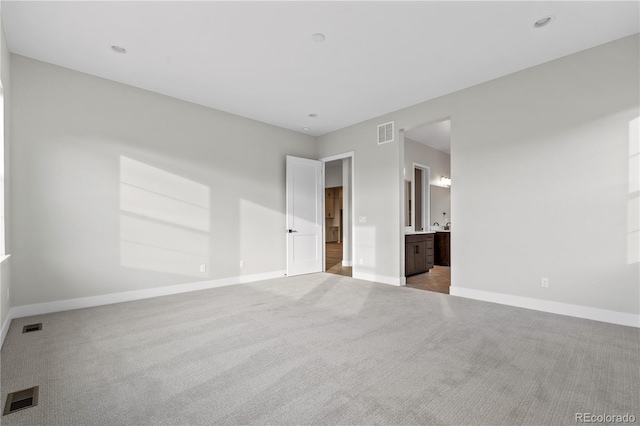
[329, 206]
[420, 253]
[442, 249]
[410, 260]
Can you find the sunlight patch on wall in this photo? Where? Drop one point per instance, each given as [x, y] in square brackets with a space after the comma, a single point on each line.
[364, 247]
[164, 221]
[155, 193]
[633, 205]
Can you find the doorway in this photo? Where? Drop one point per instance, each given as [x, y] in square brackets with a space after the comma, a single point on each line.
[338, 217]
[427, 164]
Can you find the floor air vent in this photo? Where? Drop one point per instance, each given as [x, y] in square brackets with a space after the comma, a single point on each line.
[21, 400]
[32, 327]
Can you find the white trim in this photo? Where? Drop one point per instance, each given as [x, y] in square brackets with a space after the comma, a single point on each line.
[128, 296]
[337, 156]
[426, 201]
[597, 314]
[5, 326]
[377, 278]
[4, 257]
[352, 209]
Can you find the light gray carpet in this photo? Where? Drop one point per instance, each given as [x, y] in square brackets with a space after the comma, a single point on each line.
[319, 349]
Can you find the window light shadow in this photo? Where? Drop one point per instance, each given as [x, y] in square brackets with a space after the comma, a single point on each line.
[164, 220]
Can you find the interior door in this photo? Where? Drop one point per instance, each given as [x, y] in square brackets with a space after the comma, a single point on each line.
[304, 216]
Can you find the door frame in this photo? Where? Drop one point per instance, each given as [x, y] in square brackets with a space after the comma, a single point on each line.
[351, 216]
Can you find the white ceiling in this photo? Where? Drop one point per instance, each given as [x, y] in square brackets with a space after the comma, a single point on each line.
[436, 135]
[257, 59]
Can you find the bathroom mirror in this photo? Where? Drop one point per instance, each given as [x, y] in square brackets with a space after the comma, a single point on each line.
[407, 196]
[416, 194]
[440, 206]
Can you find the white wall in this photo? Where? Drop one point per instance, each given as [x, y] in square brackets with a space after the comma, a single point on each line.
[547, 151]
[530, 149]
[119, 189]
[5, 75]
[376, 197]
[439, 162]
[333, 174]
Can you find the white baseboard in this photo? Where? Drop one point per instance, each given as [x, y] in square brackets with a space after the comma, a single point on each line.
[377, 278]
[347, 263]
[604, 315]
[128, 296]
[5, 327]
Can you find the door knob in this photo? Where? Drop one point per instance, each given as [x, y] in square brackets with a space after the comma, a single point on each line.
[291, 231]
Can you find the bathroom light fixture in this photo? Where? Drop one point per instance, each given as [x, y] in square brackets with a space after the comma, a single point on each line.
[543, 21]
[445, 181]
[118, 49]
[318, 37]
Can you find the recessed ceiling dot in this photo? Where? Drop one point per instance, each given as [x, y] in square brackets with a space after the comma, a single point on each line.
[318, 37]
[543, 21]
[118, 49]
[306, 128]
[313, 115]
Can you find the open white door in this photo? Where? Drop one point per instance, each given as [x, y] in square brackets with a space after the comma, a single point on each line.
[304, 216]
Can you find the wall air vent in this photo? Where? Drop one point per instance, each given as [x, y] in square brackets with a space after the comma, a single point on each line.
[385, 133]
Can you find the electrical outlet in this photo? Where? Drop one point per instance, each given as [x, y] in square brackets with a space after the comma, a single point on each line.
[362, 219]
[242, 263]
[203, 268]
[544, 282]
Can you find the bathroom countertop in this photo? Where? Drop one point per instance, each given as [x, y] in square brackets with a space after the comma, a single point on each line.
[419, 232]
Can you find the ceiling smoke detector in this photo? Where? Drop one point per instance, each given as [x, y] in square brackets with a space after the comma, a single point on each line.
[318, 37]
[543, 21]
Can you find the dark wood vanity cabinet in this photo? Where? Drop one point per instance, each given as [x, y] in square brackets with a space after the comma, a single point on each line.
[418, 253]
[443, 249]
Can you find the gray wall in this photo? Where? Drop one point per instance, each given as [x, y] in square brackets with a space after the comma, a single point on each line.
[529, 148]
[118, 189]
[376, 247]
[5, 75]
[546, 150]
[333, 174]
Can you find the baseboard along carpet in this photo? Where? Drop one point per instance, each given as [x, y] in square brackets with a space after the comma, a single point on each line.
[318, 349]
